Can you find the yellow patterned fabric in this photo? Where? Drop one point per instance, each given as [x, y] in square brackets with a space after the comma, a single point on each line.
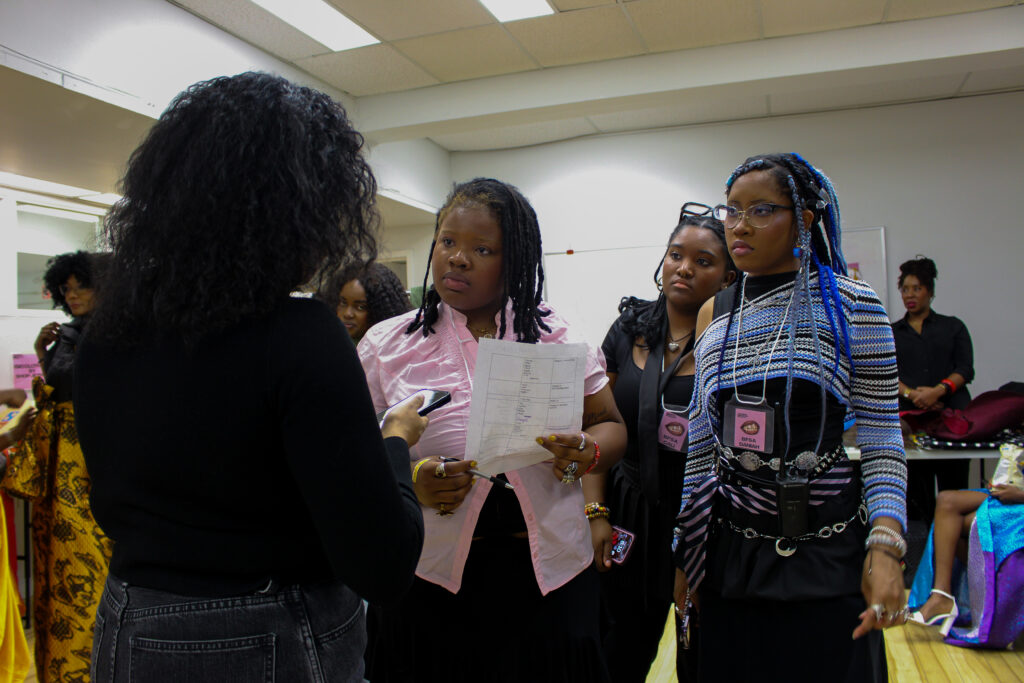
[15, 658]
[71, 553]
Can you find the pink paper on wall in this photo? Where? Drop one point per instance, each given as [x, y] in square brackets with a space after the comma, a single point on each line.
[26, 366]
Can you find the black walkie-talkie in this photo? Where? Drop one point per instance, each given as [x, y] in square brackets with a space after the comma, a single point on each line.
[792, 492]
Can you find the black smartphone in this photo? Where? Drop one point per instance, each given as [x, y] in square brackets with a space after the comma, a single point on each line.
[432, 400]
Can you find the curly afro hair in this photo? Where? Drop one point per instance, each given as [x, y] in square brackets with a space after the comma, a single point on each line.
[247, 188]
[923, 268]
[385, 295]
[85, 266]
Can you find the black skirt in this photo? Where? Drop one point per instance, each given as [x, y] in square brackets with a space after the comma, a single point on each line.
[497, 628]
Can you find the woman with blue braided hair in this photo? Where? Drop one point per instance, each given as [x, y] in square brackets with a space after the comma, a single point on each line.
[785, 545]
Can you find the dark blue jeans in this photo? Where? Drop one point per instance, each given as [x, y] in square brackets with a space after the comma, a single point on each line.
[291, 633]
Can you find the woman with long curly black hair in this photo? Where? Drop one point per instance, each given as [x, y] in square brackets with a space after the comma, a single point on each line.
[363, 294]
[236, 461]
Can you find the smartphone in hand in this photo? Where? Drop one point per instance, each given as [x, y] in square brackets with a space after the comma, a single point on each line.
[432, 400]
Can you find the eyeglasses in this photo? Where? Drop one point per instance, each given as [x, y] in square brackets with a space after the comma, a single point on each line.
[65, 290]
[694, 209]
[758, 216]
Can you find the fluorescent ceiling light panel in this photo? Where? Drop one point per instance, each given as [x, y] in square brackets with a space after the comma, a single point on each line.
[321, 22]
[511, 10]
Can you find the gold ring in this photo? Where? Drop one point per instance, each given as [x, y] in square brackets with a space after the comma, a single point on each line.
[440, 472]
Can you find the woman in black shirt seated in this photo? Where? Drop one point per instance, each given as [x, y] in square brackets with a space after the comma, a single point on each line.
[936, 362]
[235, 457]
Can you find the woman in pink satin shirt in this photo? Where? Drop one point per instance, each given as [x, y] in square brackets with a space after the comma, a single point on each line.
[506, 589]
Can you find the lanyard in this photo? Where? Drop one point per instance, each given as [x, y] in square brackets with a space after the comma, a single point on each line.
[771, 354]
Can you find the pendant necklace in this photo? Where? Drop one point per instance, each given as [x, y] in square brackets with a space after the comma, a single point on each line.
[673, 344]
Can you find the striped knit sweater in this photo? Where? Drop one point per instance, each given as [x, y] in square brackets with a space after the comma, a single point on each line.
[869, 387]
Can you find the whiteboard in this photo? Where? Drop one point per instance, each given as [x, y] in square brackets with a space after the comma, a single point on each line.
[864, 249]
[585, 287]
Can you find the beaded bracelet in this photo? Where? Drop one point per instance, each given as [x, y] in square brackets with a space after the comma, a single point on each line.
[874, 539]
[597, 456]
[880, 529]
[595, 510]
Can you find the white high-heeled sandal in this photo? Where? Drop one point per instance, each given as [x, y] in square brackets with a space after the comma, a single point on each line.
[946, 619]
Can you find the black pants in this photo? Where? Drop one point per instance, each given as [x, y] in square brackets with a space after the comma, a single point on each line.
[805, 640]
[498, 627]
[922, 476]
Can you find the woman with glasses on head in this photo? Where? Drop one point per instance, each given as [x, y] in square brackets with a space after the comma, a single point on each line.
[649, 352]
[787, 547]
[936, 362]
[70, 552]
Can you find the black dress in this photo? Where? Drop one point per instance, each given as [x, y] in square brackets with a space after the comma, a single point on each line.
[637, 594]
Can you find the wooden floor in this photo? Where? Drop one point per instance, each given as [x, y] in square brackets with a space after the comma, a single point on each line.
[915, 655]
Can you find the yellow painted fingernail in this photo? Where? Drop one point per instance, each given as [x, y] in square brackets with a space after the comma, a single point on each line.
[540, 441]
[551, 438]
[473, 463]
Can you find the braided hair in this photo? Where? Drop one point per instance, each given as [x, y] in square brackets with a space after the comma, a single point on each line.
[522, 272]
[385, 294]
[649, 319]
[923, 268]
[818, 246]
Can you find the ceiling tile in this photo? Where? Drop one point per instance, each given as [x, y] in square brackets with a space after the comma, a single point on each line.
[900, 10]
[252, 23]
[397, 19]
[681, 24]
[467, 53]
[995, 79]
[789, 17]
[368, 70]
[515, 136]
[689, 111]
[865, 94]
[587, 35]
[566, 5]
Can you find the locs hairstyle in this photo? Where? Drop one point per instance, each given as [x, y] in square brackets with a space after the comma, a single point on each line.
[817, 243]
[385, 295]
[86, 267]
[651, 319]
[521, 270]
[246, 188]
[923, 268]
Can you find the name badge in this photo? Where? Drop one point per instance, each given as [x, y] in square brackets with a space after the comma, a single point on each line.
[749, 425]
[673, 430]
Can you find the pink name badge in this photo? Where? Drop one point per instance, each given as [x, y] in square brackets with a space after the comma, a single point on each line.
[749, 425]
[749, 429]
[673, 430]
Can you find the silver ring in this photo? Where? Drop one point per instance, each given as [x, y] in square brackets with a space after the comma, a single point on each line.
[879, 610]
[583, 442]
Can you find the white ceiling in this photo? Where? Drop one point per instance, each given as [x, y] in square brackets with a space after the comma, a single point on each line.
[446, 71]
[454, 56]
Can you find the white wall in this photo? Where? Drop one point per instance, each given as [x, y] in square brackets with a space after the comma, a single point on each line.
[944, 178]
[412, 242]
